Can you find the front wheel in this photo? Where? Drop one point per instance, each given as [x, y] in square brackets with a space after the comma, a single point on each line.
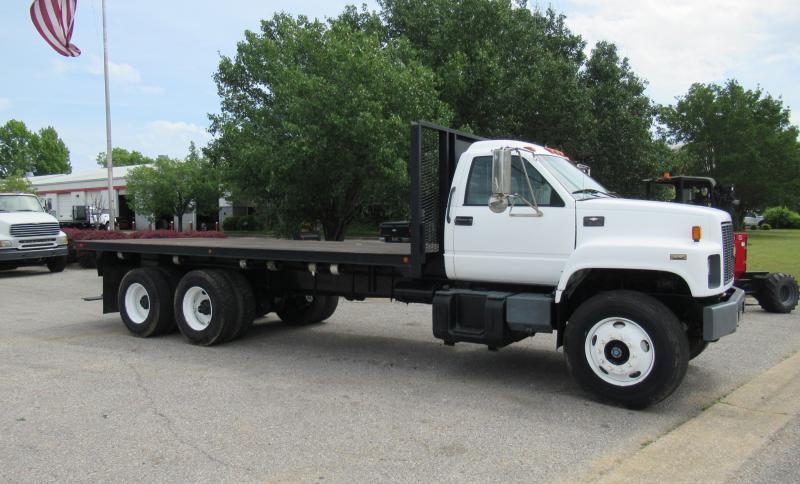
[626, 347]
[57, 264]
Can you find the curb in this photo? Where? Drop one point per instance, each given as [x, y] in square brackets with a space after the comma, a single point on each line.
[714, 445]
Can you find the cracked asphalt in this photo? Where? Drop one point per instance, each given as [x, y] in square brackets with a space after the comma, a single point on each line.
[369, 395]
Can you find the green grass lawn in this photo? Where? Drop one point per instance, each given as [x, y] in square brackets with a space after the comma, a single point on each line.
[774, 251]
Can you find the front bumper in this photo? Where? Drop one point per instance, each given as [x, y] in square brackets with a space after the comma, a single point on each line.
[27, 255]
[722, 318]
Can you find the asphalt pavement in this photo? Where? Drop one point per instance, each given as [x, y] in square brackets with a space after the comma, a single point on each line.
[369, 395]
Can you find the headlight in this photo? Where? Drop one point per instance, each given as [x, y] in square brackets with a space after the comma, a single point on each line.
[4, 244]
[61, 240]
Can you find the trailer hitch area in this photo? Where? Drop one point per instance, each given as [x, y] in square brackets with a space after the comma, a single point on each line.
[93, 298]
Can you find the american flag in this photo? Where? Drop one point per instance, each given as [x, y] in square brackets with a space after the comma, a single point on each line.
[53, 20]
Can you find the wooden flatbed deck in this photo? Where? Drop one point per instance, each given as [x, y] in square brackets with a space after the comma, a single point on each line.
[361, 252]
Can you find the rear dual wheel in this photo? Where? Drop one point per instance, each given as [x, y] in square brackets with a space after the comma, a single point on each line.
[213, 306]
[304, 309]
[145, 302]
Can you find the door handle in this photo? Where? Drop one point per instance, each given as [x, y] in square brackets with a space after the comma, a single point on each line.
[463, 220]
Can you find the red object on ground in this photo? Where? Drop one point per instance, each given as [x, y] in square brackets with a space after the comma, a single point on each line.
[740, 254]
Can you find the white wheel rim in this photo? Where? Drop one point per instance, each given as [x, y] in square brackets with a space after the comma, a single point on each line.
[197, 308]
[619, 351]
[137, 303]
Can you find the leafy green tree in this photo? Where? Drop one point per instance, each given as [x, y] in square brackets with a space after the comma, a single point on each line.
[23, 151]
[123, 157]
[50, 153]
[620, 147]
[739, 136]
[315, 118]
[16, 184]
[174, 187]
[16, 150]
[506, 71]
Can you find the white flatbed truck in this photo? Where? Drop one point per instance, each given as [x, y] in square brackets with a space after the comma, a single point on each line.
[508, 239]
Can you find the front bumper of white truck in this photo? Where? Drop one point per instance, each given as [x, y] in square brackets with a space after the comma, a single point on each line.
[722, 318]
[17, 255]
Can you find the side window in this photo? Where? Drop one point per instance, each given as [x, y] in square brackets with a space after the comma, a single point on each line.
[479, 184]
[544, 194]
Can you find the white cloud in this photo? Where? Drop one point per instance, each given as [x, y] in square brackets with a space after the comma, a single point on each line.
[147, 89]
[673, 44]
[124, 73]
[4, 103]
[170, 138]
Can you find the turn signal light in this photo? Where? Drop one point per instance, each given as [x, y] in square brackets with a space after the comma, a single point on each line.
[696, 233]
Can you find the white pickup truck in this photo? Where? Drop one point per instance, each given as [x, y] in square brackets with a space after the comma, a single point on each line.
[29, 235]
[507, 239]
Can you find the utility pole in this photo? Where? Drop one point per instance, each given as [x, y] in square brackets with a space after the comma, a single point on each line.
[109, 161]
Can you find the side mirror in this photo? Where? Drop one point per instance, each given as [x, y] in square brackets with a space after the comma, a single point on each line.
[501, 180]
[501, 171]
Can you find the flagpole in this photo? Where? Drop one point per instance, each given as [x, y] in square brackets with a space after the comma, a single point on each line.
[109, 161]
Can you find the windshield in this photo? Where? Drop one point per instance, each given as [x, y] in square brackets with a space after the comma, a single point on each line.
[19, 203]
[572, 178]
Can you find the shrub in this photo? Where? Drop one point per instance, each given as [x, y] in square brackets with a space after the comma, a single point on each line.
[765, 226]
[782, 218]
[249, 222]
[230, 223]
[242, 222]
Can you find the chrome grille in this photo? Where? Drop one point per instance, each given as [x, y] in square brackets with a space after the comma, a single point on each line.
[727, 251]
[35, 230]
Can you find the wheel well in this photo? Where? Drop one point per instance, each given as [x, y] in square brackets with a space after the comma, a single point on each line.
[669, 288]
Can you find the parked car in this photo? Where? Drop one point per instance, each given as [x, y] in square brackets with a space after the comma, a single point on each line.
[752, 218]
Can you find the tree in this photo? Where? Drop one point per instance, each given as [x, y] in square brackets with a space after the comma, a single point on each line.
[315, 117]
[504, 70]
[508, 71]
[620, 147]
[50, 153]
[738, 136]
[174, 187]
[16, 184]
[22, 151]
[123, 157]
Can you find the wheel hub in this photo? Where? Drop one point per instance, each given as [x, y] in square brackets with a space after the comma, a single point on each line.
[619, 351]
[137, 303]
[198, 309]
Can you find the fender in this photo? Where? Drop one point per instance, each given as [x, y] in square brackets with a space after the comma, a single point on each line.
[652, 254]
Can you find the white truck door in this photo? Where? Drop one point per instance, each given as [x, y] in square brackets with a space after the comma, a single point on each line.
[497, 247]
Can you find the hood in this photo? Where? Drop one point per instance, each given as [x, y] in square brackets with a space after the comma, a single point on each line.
[644, 221]
[9, 218]
[648, 206]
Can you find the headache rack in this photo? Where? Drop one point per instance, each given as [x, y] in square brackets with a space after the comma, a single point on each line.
[435, 151]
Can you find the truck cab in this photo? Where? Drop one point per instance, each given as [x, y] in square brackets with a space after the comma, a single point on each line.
[29, 235]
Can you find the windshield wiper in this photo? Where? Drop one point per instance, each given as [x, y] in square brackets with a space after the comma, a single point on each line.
[592, 191]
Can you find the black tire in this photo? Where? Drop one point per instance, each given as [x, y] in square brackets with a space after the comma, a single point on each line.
[779, 293]
[667, 348]
[205, 294]
[245, 304]
[307, 309]
[57, 264]
[696, 346]
[147, 313]
[87, 259]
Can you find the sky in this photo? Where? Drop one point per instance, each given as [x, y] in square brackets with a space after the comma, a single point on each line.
[163, 55]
